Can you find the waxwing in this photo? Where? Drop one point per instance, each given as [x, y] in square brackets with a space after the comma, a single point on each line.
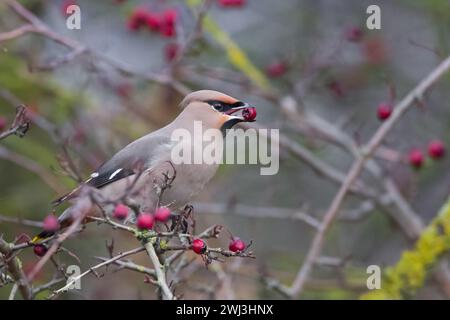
[142, 167]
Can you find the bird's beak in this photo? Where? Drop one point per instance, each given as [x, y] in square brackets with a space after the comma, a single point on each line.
[241, 117]
[241, 106]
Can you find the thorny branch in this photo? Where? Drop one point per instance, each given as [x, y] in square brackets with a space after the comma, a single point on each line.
[415, 95]
[307, 124]
[19, 126]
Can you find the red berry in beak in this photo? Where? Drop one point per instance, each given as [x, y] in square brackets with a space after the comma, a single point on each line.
[237, 245]
[384, 111]
[198, 246]
[162, 214]
[51, 223]
[120, 211]
[436, 149]
[145, 221]
[40, 250]
[416, 158]
[249, 114]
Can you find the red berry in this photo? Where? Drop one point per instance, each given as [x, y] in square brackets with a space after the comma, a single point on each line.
[51, 223]
[145, 221]
[153, 21]
[249, 114]
[123, 90]
[169, 19]
[66, 4]
[170, 16]
[40, 250]
[416, 158]
[336, 88]
[236, 245]
[354, 34]
[232, 3]
[436, 149]
[170, 51]
[137, 19]
[120, 211]
[384, 111]
[276, 69]
[167, 30]
[3, 123]
[198, 246]
[162, 214]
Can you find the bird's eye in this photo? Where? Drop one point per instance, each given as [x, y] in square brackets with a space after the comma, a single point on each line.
[218, 107]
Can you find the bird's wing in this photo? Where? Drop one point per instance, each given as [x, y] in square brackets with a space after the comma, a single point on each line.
[138, 155]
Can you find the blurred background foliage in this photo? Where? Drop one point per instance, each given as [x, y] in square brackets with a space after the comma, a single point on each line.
[296, 48]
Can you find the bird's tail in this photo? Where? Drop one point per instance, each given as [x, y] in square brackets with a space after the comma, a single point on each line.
[42, 236]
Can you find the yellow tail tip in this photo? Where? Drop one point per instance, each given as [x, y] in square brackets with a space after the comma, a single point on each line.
[36, 239]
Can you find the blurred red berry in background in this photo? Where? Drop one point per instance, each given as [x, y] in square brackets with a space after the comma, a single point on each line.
[416, 158]
[384, 111]
[436, 149]
[65, 4]
[145, 221]
[336, 88]
[137, 19]
[153, 21]
[3, 123]
[51, 223]
[162, 214]
[231, 3]
[354, 34]
[170, 51]
[121, 211]
[169, 19]
[375, 51]
[123, 90]
[276, 69]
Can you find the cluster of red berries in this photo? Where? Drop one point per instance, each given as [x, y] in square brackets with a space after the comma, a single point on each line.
[162, 22]
[145, 220]
[231, 3]
[436, 150]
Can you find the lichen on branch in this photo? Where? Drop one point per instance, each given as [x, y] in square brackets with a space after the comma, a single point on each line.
[402, 280]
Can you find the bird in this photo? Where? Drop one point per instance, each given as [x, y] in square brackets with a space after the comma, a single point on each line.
[143, 167]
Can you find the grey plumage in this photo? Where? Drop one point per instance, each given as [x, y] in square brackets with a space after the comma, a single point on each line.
[152, 155]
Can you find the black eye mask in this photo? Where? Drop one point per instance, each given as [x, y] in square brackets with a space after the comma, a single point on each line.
[223, 106]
